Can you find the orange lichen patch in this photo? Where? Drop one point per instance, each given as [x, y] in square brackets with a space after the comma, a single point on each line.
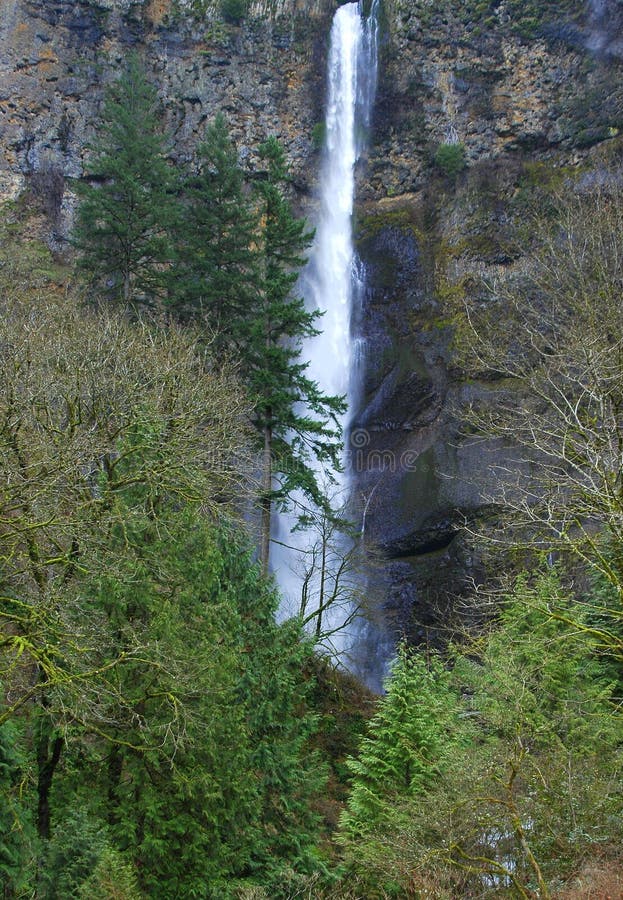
[294, 80]
[47, 60]
[156, 10]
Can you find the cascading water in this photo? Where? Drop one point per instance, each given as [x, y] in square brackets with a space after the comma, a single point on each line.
[330, 276]
[328, 285]
[605, 27]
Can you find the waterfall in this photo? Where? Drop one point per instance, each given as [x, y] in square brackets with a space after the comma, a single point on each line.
[328, 284]
[605, 27]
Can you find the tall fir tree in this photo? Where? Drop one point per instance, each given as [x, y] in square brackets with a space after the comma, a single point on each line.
[298, 424]
[126, 197]
[223, 796]
[214, 274]
[275, 691]
[405, 745]
[184, 806]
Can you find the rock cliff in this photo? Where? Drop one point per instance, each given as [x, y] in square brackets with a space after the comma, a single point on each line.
[57, 56]
[483, 110]
[481, 104]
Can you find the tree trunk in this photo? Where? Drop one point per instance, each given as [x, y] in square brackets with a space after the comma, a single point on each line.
[266, 503]
[126, 286]
[48, 756]
[323, 576]
[115, 768]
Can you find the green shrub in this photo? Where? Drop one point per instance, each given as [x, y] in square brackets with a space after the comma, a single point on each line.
[234, 11]
[15, 827]
[318, 135]
[72, 855]
[450, 159]
[113, 878]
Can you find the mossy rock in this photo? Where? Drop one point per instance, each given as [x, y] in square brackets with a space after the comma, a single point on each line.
[401, 218]
[26, 262]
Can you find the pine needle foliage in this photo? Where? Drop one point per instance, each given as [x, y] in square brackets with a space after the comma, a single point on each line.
[71, 856]
[238, 258]
[297, 421]
[525, 782]
[538, 667]
[125, 213]
[207, 779]
[406, 742]
[213, 276]
[15, 827]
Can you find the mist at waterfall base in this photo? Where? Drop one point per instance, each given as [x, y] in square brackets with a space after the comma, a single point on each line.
[302, 559]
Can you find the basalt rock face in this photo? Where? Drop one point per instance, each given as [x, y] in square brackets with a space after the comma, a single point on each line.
[57, 56]
[481, 109]
[480, 104]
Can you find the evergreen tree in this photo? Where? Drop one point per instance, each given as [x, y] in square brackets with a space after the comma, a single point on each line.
[405, 745]
[71, 855]
[522, 785]
[220, 795]
[80, 863]
[275, 691]
[184, 805]
[297, 422]
[15, 829]
[126, 205]
[236, 272]
[214, 271]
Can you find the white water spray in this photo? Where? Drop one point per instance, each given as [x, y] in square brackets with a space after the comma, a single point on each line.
[328, 281]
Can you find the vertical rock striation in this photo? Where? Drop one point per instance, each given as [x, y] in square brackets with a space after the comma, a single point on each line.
[57, 56]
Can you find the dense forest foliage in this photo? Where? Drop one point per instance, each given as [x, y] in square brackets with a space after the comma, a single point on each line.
[161, 734]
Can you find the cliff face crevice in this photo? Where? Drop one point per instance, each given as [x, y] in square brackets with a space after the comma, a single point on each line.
[480, 105]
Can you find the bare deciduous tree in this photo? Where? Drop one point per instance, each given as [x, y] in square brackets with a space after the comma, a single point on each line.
[550, 337]
[331, 581]
[101, 420]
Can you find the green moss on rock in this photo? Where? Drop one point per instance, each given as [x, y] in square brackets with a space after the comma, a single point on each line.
[402, 218]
